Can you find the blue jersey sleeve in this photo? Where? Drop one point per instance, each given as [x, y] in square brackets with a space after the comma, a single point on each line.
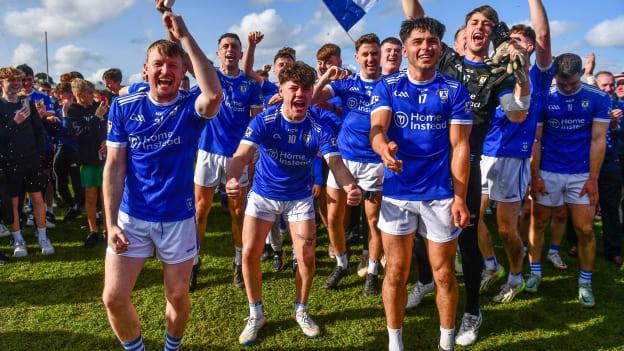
[381, 97]
[602, 109]
[460, 106]
[255, 95]
[254, 134]
[116, 133]
[541, 80]
[328, 145]
[337, 87]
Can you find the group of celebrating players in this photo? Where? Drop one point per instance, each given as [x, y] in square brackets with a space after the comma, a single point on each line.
[425, 149]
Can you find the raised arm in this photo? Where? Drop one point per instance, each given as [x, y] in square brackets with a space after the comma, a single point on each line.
[207, 104]
[412, 9]
[253, 39]
[321, 91]
[460, 170]
[539, 20]
[516, 105]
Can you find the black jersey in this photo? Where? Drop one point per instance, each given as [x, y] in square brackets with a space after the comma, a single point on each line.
[479, 80]
[89, 131]
[20, 143]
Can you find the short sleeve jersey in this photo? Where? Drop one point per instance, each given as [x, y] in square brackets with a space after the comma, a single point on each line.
[161, 143]
[353, 140]
[287, 151]
[567, 121]
[422, 113]
[223, 133]
[138, 87]
[509, 139]
[36, 96]
[484, 95]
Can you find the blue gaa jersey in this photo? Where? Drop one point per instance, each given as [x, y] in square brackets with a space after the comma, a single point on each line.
[268, 90]
[353, 140]
[509, 139]
[567, 133]
[161, 142]
[223, 133]
[422, 113]
[35, 96]
[287, 150]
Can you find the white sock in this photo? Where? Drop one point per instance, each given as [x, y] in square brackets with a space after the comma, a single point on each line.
[41, 233]
[341, 259]
[300, 307]
[238, 256]
[514, 279]
[17, 236]
[50, 210]
[447, 339]
[255, 310]
[373, 266]
[395, 339]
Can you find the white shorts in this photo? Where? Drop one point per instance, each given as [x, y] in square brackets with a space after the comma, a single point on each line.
[368, 176]
[268, 210]
[562, 188]
[505, 179]
[211, 170]
[175, 242]
[432, 219]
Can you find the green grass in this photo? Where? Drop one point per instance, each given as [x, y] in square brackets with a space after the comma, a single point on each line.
[53, 303]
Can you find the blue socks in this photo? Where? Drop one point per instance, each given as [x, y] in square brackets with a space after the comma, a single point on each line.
[134, 345]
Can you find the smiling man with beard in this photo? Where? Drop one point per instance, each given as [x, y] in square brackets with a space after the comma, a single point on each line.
[485, 95]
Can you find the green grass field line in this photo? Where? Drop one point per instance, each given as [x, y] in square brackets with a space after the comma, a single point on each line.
[53, 303]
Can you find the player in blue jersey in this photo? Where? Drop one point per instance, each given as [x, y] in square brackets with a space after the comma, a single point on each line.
[569, 150]
[420, 124]
[242, 100]
[505, 165]
[355, 148]
[148, 183]
[288, 139]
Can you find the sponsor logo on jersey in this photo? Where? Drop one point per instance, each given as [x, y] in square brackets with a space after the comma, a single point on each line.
[154, 141]
[554, 107]
[137, 118]
[417, 121]
[352, 103]
[354, 89]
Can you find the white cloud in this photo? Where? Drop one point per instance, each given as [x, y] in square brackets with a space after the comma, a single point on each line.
[62, 18]
[72, 58]
[268, 2]
[608, 33]
[276, 34]
[135, 78]
[96, 77]
[26, 53]
[558, 28]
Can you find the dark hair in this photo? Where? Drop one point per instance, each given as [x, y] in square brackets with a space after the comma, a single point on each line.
[41, 76]
[229, 35]
[26, 70]
[369, 38]
[113, 74]
[567, 65]
[487, 11]
[298, 72]
[76, 74]
[424, 24]
[391, 40]
[286, 52]
[64, 87]
[525, 30]
[167, 48]
[43, 83]
[459, 30]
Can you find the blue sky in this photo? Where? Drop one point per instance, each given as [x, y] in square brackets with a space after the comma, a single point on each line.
[92, 35]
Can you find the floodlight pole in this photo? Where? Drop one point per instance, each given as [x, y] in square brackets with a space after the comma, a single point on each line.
[46, 53]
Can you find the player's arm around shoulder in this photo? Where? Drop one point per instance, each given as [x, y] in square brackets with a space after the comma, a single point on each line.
[207, 103]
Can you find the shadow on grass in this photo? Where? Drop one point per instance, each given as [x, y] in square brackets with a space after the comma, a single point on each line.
[56, 340]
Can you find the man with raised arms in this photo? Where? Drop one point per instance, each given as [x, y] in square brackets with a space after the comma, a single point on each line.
[420, 124]
[242, 100]
[148, 183]
[487, 92]
[288, 139]
[359, 157]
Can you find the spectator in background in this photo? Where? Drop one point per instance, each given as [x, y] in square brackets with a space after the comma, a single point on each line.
[22, 143]
[112, 80]
[86, 122]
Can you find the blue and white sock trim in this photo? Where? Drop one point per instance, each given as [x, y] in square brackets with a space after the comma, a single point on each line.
[134, 345]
